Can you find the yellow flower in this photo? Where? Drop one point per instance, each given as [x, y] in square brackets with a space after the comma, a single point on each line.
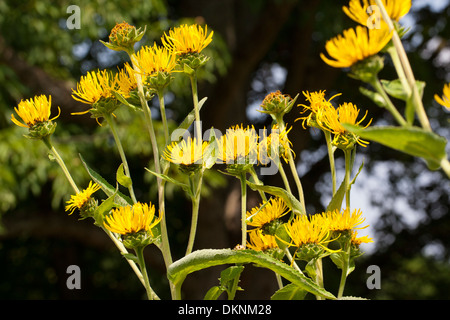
[261, 242]
[357, 10]
[81, 198]
[331, 119]
[95, 86]
[185, 152]
[356, 45]
[445, 100]
[275, 145]
[152, 60]
[239, 145]
[317, 102]
[343, 221]
[187, 39]
[305, 231]
[34, 111]
[126, 81]
[273, 209]
[132, 219]
[355, 240]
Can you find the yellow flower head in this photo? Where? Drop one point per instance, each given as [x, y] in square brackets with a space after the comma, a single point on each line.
[239, 145]
[445, 100]
[305, 231]
[34, 111]
[79, 200]
[355, 45]
[187, 39]
[343, 221]
[273, 209]
[186, 152]
[152, 60]
[261, 242]
[358, 10]
[331, 119]
[123, 37]
[317, 102]
[132, 219]
[126, 81]
[95, 86]
[275, 145]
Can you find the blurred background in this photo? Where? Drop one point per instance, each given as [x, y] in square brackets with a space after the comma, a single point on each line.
[259, 46]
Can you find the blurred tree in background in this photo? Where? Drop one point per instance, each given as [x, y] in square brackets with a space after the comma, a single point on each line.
[259, 46]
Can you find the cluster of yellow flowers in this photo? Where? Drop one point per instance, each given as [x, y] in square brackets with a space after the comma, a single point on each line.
[303, 231]
[151, 70]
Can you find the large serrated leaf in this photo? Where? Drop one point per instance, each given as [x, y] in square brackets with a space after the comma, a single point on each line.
[206, 258]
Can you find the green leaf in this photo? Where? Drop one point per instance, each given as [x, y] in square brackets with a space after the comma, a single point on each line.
[184, 186]
[410, 109]
[186, 123]
[123, 179]
[374, 96]
[290, 200]
[202, 259]
[410, 140]
[103, 209]
[211, 152]
[289, 292]
[130, 256]
[338, 197]
[119, 199]
[214, 293]
[229, 279]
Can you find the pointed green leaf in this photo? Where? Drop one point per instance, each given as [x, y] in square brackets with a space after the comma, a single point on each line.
[120, 198]
[290, 200]
[186, 123]
[410, 140]
[289, 292]
[202, 259]
[172, 180]
[213, 293]
[123, 179]
[374, 96]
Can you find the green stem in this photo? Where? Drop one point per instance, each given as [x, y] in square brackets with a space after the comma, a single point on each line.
[331, 159]
[344, 273]
[376, 84]
[418, 104]
[162, 107]
[257, 181]
[140, 255]
[195, 210]
[445, 165]
[243, 209]
[61, 163]
[399, 69]
[293, 168]
[123, 250]
[319, 274]
[348, 166]
[112, 125]
[291, 260]
[165, 246]
[198, 127]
